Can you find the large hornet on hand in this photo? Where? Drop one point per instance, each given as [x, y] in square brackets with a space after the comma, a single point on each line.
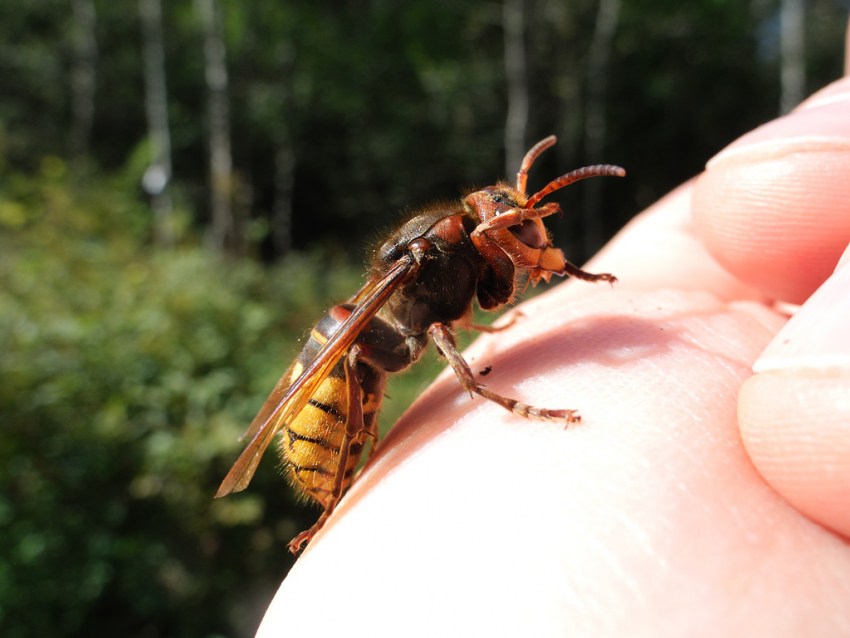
[421, 282]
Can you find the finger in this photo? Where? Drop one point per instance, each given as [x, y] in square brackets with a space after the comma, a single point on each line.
[772, 208]
[795, 412]
[660, 249]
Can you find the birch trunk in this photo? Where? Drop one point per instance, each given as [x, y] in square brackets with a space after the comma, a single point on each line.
[223, 234]
[284, 183]
[793, 54]
[595, 124]
[513, 23]
[158, 174]
[83, 70]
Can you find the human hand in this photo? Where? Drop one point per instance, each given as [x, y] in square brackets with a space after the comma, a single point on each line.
[648, 518]
[774, 209]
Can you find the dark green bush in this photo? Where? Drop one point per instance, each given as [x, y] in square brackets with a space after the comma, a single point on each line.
[127, 374]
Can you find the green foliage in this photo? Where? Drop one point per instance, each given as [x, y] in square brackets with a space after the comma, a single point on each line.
[126, 377]
[393, 104]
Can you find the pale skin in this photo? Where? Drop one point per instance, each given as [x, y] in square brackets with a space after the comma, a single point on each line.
[695, 498]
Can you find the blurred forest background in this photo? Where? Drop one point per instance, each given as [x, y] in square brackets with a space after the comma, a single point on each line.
[185, 186]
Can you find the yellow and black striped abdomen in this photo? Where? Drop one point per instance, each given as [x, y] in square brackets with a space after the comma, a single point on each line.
[310, 445]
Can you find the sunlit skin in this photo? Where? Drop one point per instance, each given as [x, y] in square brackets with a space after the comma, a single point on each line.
[695, 498]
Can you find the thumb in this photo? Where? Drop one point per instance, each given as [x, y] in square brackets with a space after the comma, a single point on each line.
[794, 413]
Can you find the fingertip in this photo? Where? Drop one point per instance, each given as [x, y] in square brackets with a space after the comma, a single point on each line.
[771, 208]
[795, 428]
[659, 249]
[778, 224]
[794, 413]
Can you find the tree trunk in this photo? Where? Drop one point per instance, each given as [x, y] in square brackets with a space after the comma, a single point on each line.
[608, 14]
[284, 181]
[513, 24]
[83, 69]
[847, 50]
[158, 174]
[223, 234]
[793, 56]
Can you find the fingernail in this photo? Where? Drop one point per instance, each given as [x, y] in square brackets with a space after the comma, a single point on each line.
[817, 337]
[750, 150]
[820, 124]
